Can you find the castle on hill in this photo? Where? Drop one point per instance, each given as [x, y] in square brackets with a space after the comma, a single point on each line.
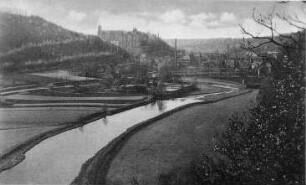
[129, 40]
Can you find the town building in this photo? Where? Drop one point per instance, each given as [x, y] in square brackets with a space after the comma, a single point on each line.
[184, 61]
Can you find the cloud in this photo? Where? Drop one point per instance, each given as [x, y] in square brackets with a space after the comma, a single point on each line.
[215, 24]
[172, 23]
[227, 17]
[225, 20]
[173, 16]
[211, 20]
[110, 21]
[169, 18]
[76, 16]
[201, 18]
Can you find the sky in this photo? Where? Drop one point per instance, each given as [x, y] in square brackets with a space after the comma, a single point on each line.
[168, 18]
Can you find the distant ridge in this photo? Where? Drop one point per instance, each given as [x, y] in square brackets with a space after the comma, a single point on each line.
[206, 45]
[220, 45]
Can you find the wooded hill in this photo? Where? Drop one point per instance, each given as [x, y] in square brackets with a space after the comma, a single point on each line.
[28, 41]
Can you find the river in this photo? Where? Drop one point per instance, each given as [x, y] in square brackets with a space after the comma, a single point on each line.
[58, 160]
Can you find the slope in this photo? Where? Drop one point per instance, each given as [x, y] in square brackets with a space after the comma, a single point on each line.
[30, 41]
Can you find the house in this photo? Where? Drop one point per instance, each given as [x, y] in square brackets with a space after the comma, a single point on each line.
[211, 62]
[115, 42]
[242, 60]
[144, 59]
[184, 61]
[192, 70]
[252, 62]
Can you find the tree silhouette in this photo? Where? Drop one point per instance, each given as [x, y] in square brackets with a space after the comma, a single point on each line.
[266, 145]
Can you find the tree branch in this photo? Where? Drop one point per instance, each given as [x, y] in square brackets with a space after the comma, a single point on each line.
[270, 39]
[291, 20]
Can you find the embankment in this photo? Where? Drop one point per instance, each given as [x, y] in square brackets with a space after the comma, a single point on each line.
[16, 154]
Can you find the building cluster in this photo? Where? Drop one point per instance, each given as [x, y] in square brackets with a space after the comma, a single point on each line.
[183, 62]
[129, 40]
[247, 62]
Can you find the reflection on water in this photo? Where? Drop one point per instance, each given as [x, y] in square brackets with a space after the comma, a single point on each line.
[160, 104]
[81, 128]
[105, 120]
[58, 159]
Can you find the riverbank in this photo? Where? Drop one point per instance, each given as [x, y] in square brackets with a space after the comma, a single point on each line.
[16, 154]
[31, 116]
[97, 169]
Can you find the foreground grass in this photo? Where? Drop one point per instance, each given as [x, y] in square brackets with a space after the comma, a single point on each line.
[172, 142]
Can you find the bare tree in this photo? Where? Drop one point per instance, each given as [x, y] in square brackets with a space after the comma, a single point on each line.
[266, 145]
[284, 41]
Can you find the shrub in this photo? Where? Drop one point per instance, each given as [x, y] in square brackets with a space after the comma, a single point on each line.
[267, 145]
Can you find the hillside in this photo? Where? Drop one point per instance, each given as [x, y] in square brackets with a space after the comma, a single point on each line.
[28, 41]
[18, 30]
[156, 47]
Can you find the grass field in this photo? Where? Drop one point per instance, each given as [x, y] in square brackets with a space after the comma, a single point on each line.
[173, 142]
[204, 88]
[42, 116]
[13, 137]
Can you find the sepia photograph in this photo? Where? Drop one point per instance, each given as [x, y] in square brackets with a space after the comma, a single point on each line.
[152, 92]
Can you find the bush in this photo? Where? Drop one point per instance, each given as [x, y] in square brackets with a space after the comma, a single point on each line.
[267, 145]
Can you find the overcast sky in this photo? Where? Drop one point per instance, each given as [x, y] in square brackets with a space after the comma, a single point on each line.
[169, 18]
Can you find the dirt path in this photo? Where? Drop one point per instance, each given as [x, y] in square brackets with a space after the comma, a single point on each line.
[173, 141]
